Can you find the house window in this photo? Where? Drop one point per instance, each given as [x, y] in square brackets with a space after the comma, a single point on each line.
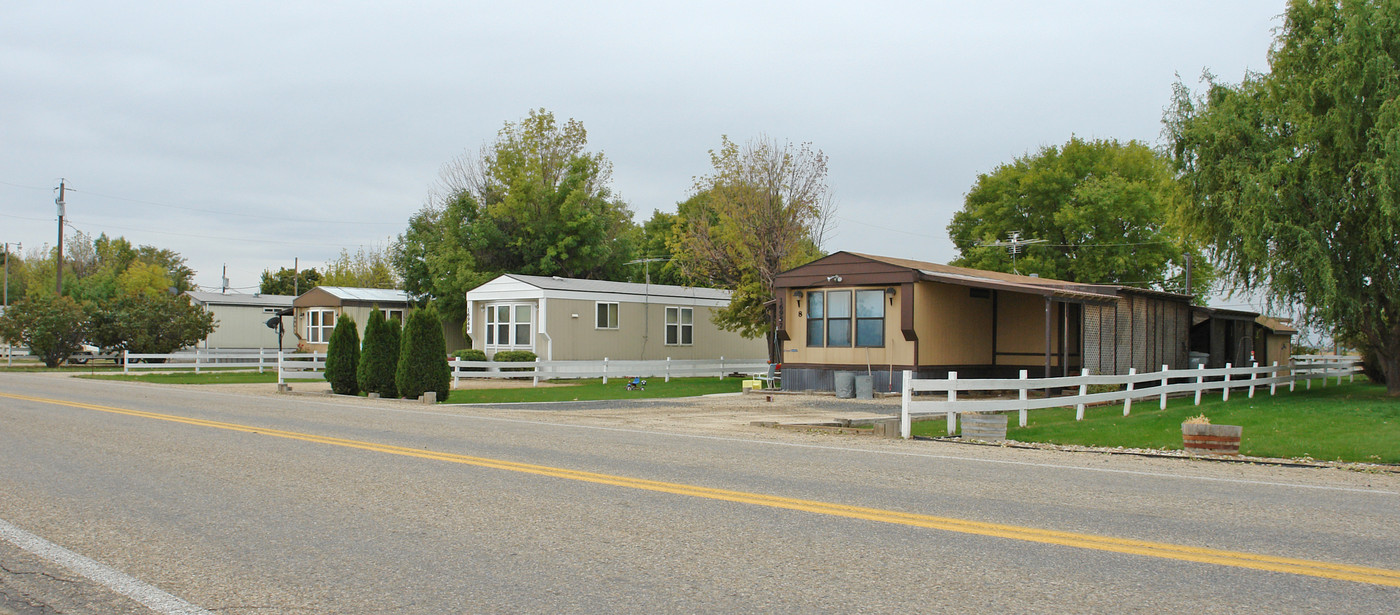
[607, 315]
[319, 324]
[816, 318]
[870, 318]
[394, 315]
[509, 325]
[679, 326]
[831, 314]
[838, 318]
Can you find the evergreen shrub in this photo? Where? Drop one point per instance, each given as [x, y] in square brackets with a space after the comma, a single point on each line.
[423, 357]
[379, 356]
[343, 357]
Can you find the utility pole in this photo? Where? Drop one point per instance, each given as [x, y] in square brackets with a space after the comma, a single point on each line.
[59, 201]
[9, 352]
[225, 279]
[296, 276]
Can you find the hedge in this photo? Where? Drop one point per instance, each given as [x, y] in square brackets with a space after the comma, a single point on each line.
[423, 357]
[343, 357]
[379, 356]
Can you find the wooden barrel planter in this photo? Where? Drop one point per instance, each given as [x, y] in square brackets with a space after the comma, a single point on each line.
[987, 427]
[1205, 439]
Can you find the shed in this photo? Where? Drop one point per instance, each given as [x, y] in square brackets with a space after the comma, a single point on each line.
[567, 319]
[881, 315]
[241, 319]
[1273, 339]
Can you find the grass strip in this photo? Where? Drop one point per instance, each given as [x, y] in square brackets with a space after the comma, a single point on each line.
[1354, 422]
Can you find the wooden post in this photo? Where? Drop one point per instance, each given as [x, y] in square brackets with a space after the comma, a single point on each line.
[1292, 375]
[1226, 396]
[1163, 404]
[1200, 383]
[1083, 390]
[1128, 401]
[952, 398]
[1273, 379]
[1024, 415]
[904, 399]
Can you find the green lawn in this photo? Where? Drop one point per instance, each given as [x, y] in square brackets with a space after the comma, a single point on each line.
[1352, 422]
[585, 390]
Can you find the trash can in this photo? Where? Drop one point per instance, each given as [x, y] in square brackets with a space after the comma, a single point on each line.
[845, 385]
[865, 387]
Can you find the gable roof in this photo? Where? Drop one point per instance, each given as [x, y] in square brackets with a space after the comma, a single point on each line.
[1278, 326]
[348, 295]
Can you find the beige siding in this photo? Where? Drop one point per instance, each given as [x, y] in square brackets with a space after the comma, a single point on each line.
[641, 334]
[896, 351]
[956, 328]
[1021, 330]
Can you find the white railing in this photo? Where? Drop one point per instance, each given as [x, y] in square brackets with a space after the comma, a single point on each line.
[300, 366]
[1135, 386]
[199, 359]
[606, 368]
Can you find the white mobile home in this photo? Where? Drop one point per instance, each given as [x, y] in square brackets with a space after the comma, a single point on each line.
[241, 320]
[567, 319]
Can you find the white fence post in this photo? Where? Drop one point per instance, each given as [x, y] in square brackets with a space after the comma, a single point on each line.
[721, 368]
[605, 370]
[1252, 376]
[124, 369]
[905, 425]
[196, 360]
[952, 398]
[1200, 383]
[1128, 401]
[1226, 396]
[279, 369]
[1273, 379]
[668, 369]
[1024, 414]
[1324, 374]
[1163, 405]
[1083, 390]
[536, 381]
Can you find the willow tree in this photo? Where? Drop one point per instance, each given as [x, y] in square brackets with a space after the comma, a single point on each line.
[1295, 173]
[763, 210]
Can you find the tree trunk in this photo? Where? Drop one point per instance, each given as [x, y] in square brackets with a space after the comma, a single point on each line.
[1390, 366]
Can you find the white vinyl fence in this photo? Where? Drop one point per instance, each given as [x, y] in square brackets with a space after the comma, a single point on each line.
[1135, 386]
[199, 359]
[300, 366]
[607, 368]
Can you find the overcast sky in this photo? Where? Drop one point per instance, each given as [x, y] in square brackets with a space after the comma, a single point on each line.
[248, 134]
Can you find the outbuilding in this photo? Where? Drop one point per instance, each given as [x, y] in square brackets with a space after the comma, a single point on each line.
[240, 320]
[879, 315]
[570, 319]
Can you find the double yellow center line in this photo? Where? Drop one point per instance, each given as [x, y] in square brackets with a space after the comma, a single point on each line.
[1359, 574]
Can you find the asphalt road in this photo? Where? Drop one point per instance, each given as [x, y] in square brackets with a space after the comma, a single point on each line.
[254, 504]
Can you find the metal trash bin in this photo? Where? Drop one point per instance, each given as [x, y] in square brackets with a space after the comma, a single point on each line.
[865, 387]
[845, 385]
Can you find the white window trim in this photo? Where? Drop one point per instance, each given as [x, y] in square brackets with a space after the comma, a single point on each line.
[489, 321]
[388, 311]
[310, 328]
[680, 327]
[616, 325]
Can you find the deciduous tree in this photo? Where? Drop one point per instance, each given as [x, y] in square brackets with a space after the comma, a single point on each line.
[51, 327]
[1294, 174]
[763, 209]
[1101, 207]
[288, 282]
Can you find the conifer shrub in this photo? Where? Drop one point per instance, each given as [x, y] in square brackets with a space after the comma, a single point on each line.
[379, 356]
[423, 357]
[343, 357]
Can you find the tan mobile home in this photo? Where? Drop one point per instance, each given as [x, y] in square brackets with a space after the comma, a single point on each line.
[882, 315]
[318, 310]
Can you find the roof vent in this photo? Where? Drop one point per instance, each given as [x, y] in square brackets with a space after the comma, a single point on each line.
[1035, 275]
[557, 278]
